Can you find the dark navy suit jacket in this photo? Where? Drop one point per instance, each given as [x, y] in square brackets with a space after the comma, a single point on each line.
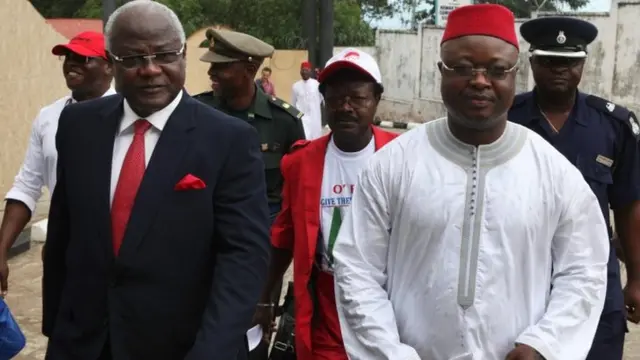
[192, 263]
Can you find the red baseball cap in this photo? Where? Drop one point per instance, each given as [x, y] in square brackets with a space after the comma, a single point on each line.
[87, 43]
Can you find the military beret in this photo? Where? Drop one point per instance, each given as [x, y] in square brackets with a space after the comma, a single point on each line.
[558, 36]
[230, 46]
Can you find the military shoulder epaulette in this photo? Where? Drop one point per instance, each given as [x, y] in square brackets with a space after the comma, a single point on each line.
[617, 112]
[286, 107]
[299, 145]
[206, 93]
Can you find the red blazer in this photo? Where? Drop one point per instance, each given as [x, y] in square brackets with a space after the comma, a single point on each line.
[296, 227]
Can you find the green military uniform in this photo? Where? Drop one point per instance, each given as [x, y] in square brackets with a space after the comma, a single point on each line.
[278, 123]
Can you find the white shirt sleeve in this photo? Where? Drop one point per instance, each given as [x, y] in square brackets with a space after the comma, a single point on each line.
[367, 319]
[27, 185]
[580, 252]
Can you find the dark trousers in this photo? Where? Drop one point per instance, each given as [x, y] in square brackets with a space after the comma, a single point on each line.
[106, 351]
[608, 343]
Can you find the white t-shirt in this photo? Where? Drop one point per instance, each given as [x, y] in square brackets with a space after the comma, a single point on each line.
[339, 179]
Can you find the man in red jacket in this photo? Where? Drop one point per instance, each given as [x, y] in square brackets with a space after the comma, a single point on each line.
[319, 178]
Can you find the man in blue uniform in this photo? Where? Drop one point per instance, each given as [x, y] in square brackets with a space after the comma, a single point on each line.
[598, 137]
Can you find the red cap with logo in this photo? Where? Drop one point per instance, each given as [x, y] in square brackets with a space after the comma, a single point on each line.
[481, 19]
[87, 43]
[355, 59]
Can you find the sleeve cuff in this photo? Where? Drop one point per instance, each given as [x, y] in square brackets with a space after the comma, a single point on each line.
[17, 195]
[538, 345]
[618, 201]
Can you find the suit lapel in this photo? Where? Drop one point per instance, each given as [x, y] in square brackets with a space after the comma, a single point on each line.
[104, 138]
[162, 173]
[312, 170]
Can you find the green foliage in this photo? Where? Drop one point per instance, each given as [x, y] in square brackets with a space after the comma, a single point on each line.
[277, 22]
[349, 27]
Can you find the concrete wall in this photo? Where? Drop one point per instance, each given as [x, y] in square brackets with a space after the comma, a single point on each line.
[30, 79]
[412, 80]
[285, 66]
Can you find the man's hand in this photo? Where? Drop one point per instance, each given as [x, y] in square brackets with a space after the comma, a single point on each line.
[264, 318]
[632, 300]
[523, 352]
[4, 273]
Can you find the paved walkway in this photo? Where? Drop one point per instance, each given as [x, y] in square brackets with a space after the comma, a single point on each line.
[25, 301]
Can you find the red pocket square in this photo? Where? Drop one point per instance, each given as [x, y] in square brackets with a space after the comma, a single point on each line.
[190, 182]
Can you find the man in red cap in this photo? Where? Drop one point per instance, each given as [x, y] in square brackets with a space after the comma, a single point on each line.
[471, 237]
[306, 97]
[319, 177]
[88, 75]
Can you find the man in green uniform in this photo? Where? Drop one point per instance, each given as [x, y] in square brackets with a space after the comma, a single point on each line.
[235, 59]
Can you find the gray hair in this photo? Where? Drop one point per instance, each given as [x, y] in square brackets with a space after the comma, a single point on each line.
[149, 6]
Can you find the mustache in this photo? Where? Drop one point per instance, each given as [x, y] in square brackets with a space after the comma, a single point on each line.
[344, 117]
[482, 97]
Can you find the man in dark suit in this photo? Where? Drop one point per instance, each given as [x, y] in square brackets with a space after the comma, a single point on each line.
[158, 239]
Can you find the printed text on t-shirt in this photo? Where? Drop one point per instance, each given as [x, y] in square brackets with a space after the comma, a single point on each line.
[340, 196]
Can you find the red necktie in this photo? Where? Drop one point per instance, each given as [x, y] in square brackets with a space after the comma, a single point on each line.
[129, 181]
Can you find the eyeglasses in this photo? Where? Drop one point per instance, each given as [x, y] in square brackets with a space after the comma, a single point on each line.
[73, 57]
[356, 102]
[159, 58]
[491, 73]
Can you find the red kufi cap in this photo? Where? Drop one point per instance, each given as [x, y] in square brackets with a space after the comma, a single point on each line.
[481, 19]
[305, 65]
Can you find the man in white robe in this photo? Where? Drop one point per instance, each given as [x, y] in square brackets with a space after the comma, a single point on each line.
[470, 237]
[306, 97]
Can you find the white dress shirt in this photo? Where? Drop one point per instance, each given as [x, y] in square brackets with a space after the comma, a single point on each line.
[124, 136]
[39, 166]
[462, 252]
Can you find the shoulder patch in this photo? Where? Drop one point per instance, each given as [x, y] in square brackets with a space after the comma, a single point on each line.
[286, 107]
[619, 113]
[299, 145]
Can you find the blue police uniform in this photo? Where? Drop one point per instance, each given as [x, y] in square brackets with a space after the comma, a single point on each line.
[601, 140]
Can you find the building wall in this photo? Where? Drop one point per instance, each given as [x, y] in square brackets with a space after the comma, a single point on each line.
[30, 79]
[412, 80]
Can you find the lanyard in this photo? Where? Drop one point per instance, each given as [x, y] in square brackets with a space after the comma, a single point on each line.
[336, 222]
